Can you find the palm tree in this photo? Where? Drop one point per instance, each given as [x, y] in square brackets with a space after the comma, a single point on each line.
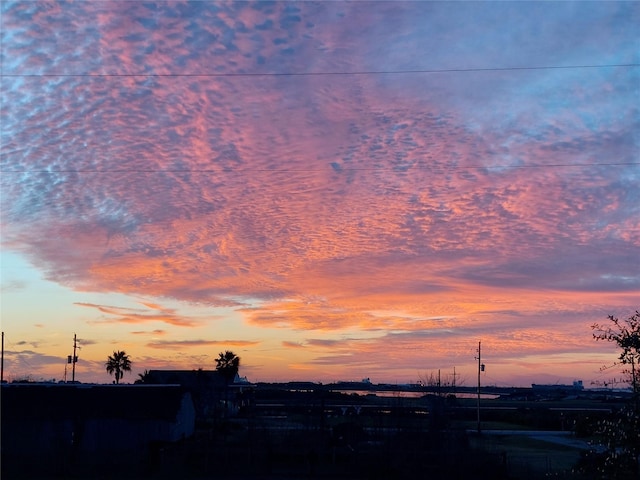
[144, 377]
[228, 364]
[117, 364]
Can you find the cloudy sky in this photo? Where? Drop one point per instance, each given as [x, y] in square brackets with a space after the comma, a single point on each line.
[332, 190]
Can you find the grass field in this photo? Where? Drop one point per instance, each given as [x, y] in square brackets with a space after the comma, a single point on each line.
[526, 457]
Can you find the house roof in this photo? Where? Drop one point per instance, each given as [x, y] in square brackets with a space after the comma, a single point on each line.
[190, 379]
[63, 401]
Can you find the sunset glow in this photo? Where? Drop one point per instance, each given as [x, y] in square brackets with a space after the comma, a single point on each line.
[332, 190]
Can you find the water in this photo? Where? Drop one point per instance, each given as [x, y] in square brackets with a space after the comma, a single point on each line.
[413, 394]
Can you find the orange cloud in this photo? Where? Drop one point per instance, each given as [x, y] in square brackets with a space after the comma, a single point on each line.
[153, 332]
[180, 344]
[128, 315]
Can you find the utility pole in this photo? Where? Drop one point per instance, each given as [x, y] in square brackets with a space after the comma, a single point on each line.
[74, 359]
[454, 380]
[480, 369]
[2, 361]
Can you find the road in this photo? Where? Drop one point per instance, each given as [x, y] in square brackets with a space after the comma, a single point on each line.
[558, 437]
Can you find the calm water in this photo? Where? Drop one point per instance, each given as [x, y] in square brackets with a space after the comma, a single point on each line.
[404, 394]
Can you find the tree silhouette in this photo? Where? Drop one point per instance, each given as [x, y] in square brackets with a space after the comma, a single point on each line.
[117, 364]
[618, 435]
[144, 377]
[626, 333]
[228, 364]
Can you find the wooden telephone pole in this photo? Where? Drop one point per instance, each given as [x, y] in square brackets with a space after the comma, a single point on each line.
[480, 369]
[73, 359]
[2, 361]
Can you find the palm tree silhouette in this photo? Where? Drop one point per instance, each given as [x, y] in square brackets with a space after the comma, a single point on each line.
[144, 377]
[228, 364]
[117, 364]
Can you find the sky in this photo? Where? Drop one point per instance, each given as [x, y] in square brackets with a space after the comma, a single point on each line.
[331, 190]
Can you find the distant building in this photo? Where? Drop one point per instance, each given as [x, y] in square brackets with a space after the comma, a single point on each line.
[557, 389]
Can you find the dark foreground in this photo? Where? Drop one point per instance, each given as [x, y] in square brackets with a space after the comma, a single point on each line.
[297, 435]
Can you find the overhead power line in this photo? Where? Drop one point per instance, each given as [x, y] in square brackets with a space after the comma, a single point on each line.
[398, 168]
[317, 74]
